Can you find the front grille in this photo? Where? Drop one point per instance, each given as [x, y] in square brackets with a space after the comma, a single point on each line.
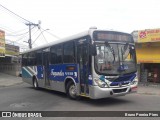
[119, 90]
[117, 84]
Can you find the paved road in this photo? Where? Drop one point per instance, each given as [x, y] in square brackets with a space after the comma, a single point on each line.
[9, 80]
[22, 97]
[18, 96]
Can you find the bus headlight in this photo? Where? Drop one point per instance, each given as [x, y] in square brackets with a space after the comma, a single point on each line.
[101, 83]
[135, 81]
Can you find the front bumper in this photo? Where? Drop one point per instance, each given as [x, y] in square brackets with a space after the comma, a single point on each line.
[96, 92]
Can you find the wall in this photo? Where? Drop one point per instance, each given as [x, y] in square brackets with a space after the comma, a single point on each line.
[12, 69]
[148, 52]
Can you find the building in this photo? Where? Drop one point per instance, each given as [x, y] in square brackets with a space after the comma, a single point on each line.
[148, 54]
[10, 61]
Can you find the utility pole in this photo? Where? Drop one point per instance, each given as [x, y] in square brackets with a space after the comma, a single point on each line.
[30, 39]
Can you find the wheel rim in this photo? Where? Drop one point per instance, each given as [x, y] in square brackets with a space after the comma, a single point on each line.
[72, 91]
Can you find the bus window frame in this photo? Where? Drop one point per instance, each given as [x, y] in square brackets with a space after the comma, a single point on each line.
[74, 52]
[56, 46]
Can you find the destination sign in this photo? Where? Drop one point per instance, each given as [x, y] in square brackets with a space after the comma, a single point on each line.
[113, 36]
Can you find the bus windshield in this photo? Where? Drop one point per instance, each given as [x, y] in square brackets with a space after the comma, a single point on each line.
[115, 58]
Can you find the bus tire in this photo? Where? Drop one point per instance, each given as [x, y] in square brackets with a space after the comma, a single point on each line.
[35, 84]
[71, 90]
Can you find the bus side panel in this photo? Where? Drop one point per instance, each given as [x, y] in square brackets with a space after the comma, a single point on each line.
[40, 75]
[27, 75]
[29, 71]
[59, 73]
[40, 72]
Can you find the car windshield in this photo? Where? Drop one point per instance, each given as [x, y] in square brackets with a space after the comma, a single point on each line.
[115, 58]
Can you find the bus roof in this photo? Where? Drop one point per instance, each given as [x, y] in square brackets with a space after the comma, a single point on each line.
[76, 36]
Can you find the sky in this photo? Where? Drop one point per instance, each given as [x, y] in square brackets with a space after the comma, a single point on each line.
[64, 18]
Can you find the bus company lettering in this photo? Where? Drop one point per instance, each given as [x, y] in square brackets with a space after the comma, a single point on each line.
[69, 73]
[57, 73]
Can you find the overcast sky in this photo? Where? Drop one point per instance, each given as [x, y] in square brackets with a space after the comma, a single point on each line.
[67, 17]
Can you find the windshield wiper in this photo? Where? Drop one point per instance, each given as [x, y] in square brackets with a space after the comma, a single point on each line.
[123, 67]
[125, 48]
[111, 50]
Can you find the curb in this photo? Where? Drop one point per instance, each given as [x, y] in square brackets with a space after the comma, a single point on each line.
[148, 93]
[12, 84]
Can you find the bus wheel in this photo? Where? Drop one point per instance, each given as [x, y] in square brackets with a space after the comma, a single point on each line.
[35, 83]
[71, 90]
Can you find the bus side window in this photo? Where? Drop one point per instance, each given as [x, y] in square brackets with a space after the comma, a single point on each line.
[69, 54]
[59, 54]
[39, 57]
[53, 55]
[32, 58]
[29, 62]
[24, 60]
[56, 54]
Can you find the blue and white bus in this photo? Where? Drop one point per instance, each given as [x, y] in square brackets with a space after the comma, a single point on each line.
[95, 64]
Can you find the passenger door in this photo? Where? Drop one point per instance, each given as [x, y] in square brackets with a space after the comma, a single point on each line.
[46, 67]
[83, 61]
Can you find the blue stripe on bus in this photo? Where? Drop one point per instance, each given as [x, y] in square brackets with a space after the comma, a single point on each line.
[56, 72]
[40, 72]
[123, 79]
[89, 82]
[61, 72]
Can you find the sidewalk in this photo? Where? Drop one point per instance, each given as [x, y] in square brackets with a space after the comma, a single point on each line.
[9, 80]
[149, 89]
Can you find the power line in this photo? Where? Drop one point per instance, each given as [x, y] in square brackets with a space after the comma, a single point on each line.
[29, 24]
[24, 36]
[35, 32]
[41, 32]
[6, 29]
[10, 32]
[6, 12]
[36, 39]
[20, 31]
[14, 43]
[15, 14]
[43, 35]
[52, 34]
[17, 34]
